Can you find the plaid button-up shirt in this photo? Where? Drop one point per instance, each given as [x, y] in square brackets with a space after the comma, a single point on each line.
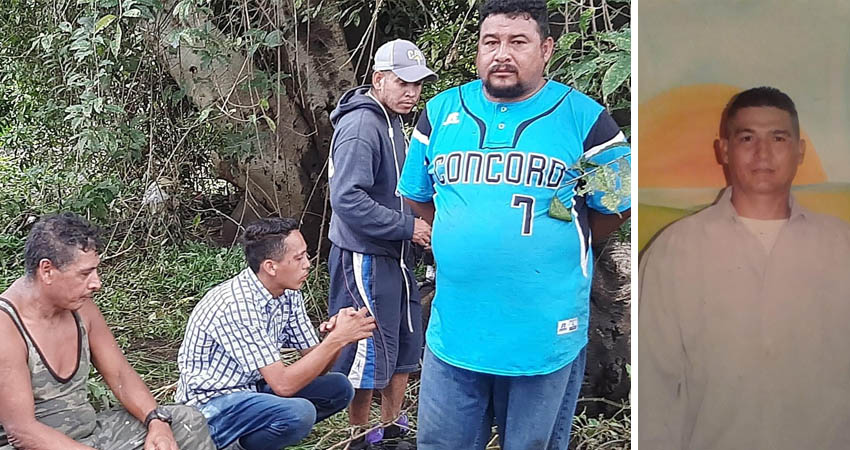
[236, 329]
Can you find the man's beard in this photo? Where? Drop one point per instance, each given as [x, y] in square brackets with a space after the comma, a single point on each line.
[505, 92]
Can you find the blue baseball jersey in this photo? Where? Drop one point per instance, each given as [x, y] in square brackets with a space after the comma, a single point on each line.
[513, 283]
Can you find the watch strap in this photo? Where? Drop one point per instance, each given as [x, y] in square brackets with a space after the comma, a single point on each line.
[156, 414]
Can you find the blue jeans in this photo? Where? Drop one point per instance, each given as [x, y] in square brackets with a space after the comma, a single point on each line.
[457, 407]
[263, 420]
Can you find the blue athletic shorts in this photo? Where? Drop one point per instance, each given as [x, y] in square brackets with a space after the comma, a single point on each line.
[376, 283]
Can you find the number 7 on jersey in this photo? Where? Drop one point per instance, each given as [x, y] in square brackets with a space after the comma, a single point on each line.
[527, 204]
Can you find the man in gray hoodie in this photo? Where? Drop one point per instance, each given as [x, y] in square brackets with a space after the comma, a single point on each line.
[371, 230]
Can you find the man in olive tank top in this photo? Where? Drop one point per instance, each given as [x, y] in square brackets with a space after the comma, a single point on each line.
[50, 334]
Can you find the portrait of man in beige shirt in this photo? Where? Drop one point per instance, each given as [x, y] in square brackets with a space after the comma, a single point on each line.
[744, 307]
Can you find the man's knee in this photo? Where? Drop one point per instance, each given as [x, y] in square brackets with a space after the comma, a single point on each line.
[189, 427]
[188, 415]
[340, 389]
[299, 420]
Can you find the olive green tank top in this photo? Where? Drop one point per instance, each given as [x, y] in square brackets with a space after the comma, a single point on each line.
[60, 403]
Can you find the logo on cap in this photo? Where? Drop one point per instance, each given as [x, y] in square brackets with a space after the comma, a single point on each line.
[415, 55]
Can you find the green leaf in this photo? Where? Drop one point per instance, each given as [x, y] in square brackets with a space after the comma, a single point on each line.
[76, 109]
[103, 22]
[270, 123]
[132, 13]
[47, 42]
[115, 44]
[621, 39]
[616, 74]
[182, 10]
[81, 44]
[65, 27]
[204, 114]
[583, 68]
[273, 39]
[177, 96]
[352, 13]
[557, 210]
[115, 109]
[567, 40]
[584, 20]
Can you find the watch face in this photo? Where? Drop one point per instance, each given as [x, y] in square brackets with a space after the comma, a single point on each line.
[163, 415]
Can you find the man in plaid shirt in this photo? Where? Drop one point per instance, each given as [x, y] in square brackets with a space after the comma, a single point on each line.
[229, 361]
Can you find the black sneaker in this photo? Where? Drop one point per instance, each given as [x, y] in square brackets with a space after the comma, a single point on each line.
[394, 444]
[363, 442]
[395, 438]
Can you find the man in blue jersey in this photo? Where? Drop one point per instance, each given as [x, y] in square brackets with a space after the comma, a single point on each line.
[509, 322]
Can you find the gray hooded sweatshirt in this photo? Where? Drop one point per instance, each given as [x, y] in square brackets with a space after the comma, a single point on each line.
[368, 215]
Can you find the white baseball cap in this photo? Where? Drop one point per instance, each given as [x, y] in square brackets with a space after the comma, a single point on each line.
[405, 60]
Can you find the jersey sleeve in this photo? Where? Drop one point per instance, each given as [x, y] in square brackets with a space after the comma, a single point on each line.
[604, 134]
[415, 182]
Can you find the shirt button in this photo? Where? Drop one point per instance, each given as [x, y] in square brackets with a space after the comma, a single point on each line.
[504, 109]
[501, 126]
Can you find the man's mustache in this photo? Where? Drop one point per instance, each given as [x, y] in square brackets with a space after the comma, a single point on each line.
[502, 68]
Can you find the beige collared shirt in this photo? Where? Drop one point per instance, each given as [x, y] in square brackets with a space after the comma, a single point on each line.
[740, 348]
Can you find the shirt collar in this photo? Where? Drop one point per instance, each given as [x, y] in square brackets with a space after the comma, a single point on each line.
[264, 297]
[725, 209]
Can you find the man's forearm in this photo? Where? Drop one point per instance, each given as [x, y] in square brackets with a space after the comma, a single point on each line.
[133, 394]
[359, 210]
[35, 435]
[290, 379]
[425, 210]
[602, 225]
[330, 363]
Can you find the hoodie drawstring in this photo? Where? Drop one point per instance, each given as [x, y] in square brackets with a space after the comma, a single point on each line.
[402, 265]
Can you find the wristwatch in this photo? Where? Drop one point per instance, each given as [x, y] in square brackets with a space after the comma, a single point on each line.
[158, 414]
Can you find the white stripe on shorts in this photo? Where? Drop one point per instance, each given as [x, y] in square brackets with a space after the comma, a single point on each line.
[357, 260]
[355, 375]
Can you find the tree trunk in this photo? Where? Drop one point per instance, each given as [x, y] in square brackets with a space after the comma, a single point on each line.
[284, 172]
[609, 346]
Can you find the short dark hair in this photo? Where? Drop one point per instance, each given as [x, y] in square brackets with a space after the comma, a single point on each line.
[755, 97]
[264, 238]
[532, 9]
[55, 237]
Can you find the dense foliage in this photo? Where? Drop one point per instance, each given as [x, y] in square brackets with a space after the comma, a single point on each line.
[92, 121]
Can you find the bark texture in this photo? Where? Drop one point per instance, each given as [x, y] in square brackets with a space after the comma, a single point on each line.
[284, 173]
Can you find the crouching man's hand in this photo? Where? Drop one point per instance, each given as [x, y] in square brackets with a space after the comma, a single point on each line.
[350, 326]
[160, 437]
[327, 326]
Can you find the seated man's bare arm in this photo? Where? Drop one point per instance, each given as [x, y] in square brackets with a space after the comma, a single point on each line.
[17, 409]
[125, 383]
